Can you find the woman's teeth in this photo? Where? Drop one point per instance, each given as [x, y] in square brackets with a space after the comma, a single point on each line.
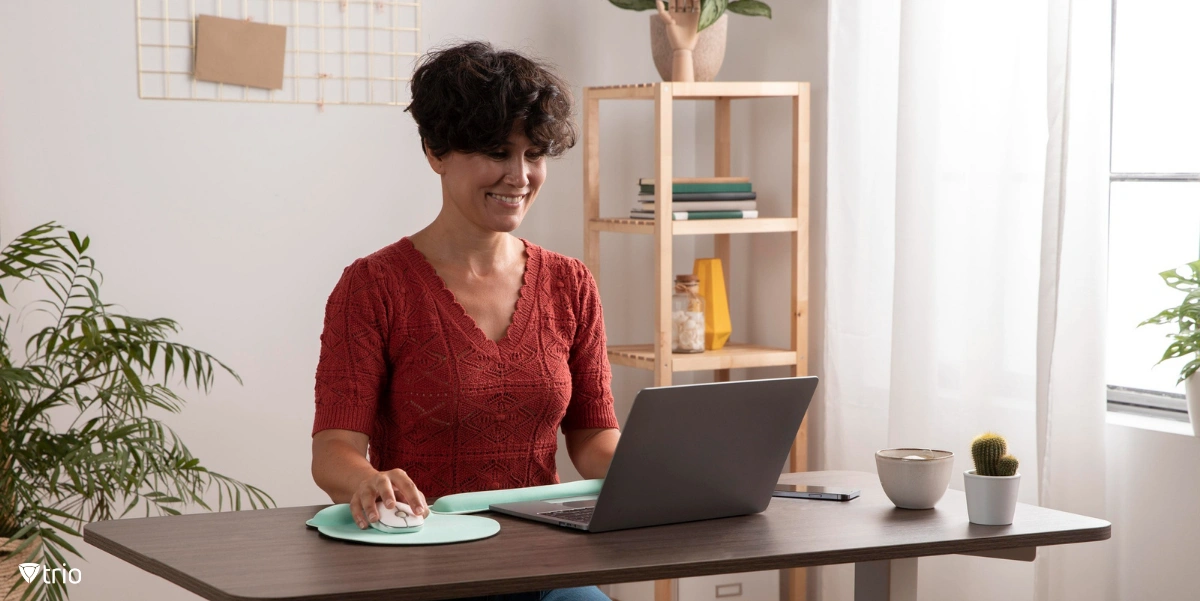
[508, 200]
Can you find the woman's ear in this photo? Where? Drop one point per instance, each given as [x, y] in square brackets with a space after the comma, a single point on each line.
[437, 164]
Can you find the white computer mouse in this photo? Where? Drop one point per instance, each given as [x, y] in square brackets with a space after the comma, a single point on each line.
[398, 520]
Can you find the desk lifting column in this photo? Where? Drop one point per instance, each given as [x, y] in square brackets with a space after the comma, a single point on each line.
[887, 580]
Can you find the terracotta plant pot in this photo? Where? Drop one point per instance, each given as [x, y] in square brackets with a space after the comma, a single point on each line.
[706, 58]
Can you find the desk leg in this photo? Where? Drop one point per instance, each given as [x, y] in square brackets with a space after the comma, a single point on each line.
[664, 590]
[793, 584]
[894, 580]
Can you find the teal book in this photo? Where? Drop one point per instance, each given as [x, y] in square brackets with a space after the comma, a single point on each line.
[694, 215]
[703, 196]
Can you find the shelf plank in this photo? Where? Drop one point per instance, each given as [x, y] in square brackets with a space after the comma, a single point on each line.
[735, 226]
[622, 226]
[734, 89]
[700, 90]
[642, 91]
[698, 226]
[732, 356]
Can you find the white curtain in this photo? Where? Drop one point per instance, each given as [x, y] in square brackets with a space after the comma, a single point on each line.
[966, 241]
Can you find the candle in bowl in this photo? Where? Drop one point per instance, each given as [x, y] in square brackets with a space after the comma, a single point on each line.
[914, 478]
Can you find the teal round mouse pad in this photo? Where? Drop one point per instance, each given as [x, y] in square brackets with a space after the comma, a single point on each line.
[337, 522]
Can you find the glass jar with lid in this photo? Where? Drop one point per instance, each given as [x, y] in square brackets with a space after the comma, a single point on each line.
[687, 315]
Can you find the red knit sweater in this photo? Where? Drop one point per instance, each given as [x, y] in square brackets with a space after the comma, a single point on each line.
[402, 362]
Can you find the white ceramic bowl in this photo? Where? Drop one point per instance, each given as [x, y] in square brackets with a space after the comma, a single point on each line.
[914, 478]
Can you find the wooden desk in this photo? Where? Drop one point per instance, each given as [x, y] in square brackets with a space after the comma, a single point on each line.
[271, 554]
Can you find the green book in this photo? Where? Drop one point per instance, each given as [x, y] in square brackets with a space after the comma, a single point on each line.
[694, 188]
[703, 196]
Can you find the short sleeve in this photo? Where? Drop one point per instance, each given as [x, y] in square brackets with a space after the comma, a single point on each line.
[352, 370]
[591, 403]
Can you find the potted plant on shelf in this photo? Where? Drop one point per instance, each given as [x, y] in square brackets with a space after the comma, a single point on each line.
[1185, 342]
[991, 487]
[687, 37]
[96, 371]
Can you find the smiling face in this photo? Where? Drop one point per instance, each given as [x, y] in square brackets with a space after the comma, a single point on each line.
[491, 190]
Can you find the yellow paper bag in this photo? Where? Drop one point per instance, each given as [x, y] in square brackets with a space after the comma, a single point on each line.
[716, 305]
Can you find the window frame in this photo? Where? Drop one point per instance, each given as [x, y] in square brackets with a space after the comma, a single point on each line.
[1153, 403]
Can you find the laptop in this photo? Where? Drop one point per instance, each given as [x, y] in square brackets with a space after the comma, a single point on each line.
[689, 453]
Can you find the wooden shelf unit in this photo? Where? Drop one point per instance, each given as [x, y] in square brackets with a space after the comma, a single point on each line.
[657, 355]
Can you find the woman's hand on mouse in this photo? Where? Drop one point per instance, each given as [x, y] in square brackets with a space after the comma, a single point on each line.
[389, 487]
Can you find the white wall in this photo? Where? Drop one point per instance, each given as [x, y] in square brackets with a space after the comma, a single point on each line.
[1152, 492]
[237, 219]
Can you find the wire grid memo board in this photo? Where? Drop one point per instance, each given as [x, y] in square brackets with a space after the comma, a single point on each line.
[338, 51]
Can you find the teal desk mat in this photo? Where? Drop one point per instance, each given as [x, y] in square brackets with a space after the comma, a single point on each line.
[336, 521]
[475, 502]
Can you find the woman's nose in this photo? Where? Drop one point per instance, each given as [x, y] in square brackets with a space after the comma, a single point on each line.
[517, 173]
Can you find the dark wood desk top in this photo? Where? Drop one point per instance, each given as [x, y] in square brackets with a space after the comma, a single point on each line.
[271, 554]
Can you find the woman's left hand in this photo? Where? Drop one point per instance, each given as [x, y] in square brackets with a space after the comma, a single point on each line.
[591, 450]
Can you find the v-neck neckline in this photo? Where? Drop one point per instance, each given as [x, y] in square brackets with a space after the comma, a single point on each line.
[520, 316]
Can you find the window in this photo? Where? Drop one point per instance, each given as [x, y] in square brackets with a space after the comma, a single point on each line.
[1154, 193]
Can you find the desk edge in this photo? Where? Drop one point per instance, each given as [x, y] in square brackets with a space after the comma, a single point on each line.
[620, 575]
[157, 568]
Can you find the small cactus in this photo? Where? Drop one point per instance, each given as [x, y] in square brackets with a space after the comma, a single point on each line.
[1007, 466]
[986, 451]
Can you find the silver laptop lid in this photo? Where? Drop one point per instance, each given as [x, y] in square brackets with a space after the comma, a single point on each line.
[701, 451]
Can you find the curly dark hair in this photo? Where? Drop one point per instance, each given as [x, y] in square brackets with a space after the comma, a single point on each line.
[468, 98]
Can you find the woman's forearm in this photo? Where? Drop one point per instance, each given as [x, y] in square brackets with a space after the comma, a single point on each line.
[338, 469]
[592, 450]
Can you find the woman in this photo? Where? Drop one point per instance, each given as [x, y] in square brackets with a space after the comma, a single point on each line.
[457, 352]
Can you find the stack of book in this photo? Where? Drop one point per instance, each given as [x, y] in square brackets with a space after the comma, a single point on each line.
[700, 198]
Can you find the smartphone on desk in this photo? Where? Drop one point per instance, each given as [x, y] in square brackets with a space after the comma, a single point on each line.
[826, 493]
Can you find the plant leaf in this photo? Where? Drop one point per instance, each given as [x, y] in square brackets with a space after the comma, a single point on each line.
[710, 11]
[75, 242]
[1179, 280]
[1166, 316]
[634, 4]
[61, 526]
[750, 8]
[51, 535]
[1188, 370]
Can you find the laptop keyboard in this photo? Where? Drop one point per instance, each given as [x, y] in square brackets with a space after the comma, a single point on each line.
[582, 515]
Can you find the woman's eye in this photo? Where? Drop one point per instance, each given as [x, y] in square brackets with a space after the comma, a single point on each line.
[501, 155]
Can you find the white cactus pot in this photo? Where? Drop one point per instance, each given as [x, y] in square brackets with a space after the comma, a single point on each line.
[991, 500]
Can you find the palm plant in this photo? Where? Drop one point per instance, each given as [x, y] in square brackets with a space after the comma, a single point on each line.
[101, 370]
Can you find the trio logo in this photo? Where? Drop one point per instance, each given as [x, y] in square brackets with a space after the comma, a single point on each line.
[29, 571]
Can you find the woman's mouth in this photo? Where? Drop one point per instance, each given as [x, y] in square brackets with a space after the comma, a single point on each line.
[511, 201]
